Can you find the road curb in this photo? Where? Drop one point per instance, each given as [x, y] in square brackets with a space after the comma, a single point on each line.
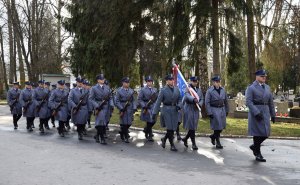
[207, 135]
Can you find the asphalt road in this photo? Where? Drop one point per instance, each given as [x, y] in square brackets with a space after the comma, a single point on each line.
[32, 158]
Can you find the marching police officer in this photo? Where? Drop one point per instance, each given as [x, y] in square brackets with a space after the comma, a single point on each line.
[259, 99]
[59, 104]
[111, 109]
[48, 91]
[13, 99]
[26, 101]
[171, 99]
[100, 97]
[217, 109]
[53, 87]
[146, 100]
[125, 102]
[67, 123]
[40, 99]
[191, 112]
[78, 102]
[87, 87]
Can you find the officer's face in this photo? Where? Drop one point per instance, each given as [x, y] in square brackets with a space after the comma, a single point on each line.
[79, 84]
[194, 83]
[149, 83]
[16, 86]
[217, 83]
[261, 79]
[125, 84]
[41, 85]
[61, 86]
[170, 82]
[28, 86]
[101, 81]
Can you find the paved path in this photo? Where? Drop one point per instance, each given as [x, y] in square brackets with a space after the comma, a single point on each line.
[32, 158]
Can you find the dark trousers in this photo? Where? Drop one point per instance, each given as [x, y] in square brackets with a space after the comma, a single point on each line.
[191, 134]
[258, 140]
[124, 131]
[43, 122]
[29, 121]
[89, 118]
[16, 118]
[101, 131]
[61, 126]
[177, 130]
[170, 135]
[67, 123]
[217, 133]
[148, 127]
[80, 128]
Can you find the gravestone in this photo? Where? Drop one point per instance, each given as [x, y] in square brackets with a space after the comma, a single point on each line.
[231, 106]
[282, 107]
[240, 101]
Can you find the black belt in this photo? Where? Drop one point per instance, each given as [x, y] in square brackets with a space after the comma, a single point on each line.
[123, 101]
[218, 106]
[83, 104]
[261, 103]
[39, 99]
[170, 104]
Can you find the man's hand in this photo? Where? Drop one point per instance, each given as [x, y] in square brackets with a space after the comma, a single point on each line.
[259, 117]
[211, 116]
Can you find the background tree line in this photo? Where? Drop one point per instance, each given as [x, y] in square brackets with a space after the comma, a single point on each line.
[135, 38]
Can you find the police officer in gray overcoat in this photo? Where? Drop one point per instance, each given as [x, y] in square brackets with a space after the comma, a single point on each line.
[48, 91]
[26, 101]
[125, 102]
[40, 99]
[87, 87]
[146, 99]
[59, 104]
[112, 105]
[171, 99]
[191, 113]
[259, 99]
[217, 109]
[67, 123]
[13, 100]
[100, 97]
[53, 87]
[78, 102]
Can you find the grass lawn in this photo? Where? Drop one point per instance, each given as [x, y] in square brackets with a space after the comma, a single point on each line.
[3, 102]
[234, 126]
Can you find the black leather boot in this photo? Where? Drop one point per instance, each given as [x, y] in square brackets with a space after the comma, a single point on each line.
[218, 144]
[212, 139]
[150, 137]
[163, 141]
[252, 147]
[185, 142]
[173, 148]
[194, 146]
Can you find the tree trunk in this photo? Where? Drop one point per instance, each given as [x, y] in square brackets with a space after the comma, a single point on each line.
[12, 62]
[3, 60]
[251, 48]
[59, 40]
[215, 37]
